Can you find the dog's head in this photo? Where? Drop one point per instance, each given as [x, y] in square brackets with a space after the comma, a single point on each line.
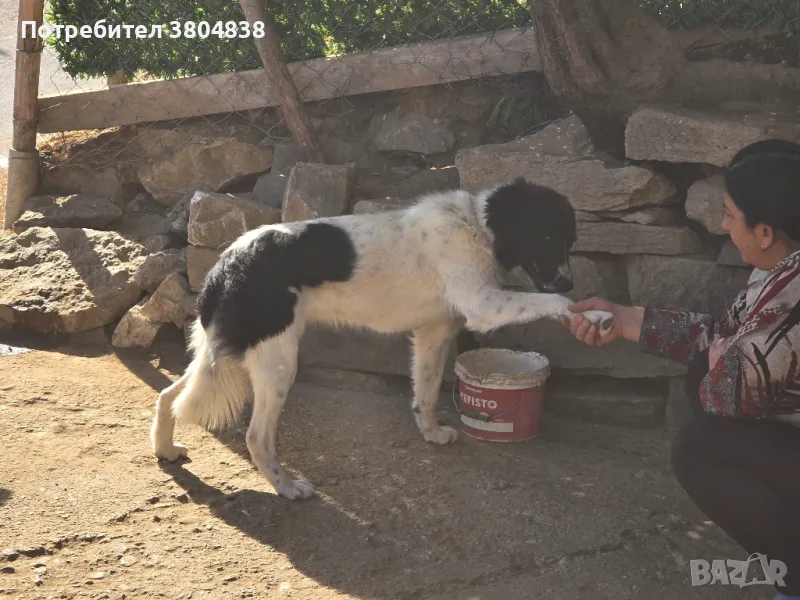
[534, 229]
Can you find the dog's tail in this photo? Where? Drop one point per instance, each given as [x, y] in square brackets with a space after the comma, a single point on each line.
[218, 386]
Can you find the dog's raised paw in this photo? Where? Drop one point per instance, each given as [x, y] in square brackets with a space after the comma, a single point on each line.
[171, 453]
[603, 319]
[442, 435]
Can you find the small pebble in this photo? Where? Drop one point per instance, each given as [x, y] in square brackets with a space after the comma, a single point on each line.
[99, 575]
[10, 554]
[127, 561]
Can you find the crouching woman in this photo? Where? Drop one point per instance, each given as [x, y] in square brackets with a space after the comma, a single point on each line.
[738, 458]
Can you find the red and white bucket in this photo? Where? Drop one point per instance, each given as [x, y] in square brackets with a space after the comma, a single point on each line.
[501, 393]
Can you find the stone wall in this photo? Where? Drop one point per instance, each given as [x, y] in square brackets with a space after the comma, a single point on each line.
[172, 196]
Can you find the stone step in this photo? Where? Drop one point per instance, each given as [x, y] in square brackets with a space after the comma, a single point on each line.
[608, 401]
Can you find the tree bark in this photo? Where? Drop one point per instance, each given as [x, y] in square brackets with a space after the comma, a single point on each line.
[601, 57]
[605, 58]
[289, 101]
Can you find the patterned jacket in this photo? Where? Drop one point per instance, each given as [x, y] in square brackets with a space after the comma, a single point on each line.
[757, 376]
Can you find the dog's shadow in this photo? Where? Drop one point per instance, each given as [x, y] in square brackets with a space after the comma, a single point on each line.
[324, 538]
[322, 542]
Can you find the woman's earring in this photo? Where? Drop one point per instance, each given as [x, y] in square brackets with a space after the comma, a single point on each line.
[762, 248]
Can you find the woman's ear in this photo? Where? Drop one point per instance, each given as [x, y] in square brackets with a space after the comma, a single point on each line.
[766, 236]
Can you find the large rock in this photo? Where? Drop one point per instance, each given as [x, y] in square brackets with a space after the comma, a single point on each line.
[199, 261]
[591, 183]
[173, 302]
[354, 350]
[181, 162]
[102, 182]
[178, 216]
[604, 277]
[411, 187]
[609, 401]
[632, 238]
[67, 280]
[621, 359]
[216, 220]
[76, 210]
[157, 266]
[317, 190]
[730, 256]
[143, 204]
[705, 203]
[691, 137]
[366, 207]
[568, 137]
[135, 330]
[140, 227]
[681, 283]
[656, 215]
[414, 133]
[269, 188]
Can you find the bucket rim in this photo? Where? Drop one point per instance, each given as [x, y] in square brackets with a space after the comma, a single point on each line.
[529, 379]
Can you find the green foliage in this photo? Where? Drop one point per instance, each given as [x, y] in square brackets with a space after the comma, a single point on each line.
[737, 14]
[316, 28]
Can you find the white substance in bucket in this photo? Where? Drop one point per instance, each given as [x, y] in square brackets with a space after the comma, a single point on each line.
[502, 369]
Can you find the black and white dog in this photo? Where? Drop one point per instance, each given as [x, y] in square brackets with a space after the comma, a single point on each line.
[433, 268]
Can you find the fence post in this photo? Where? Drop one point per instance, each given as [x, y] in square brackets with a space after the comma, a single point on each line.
[289, 101]
[23, 158]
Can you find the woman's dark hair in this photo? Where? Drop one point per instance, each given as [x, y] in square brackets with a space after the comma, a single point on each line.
[763, 180]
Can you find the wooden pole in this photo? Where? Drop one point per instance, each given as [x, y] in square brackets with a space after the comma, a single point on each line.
[289, 102]
[23, 163]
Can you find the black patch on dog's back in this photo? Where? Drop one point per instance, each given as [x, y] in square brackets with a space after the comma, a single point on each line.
[247, 293]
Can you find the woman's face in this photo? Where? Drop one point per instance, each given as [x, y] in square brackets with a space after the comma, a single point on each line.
[747, 240]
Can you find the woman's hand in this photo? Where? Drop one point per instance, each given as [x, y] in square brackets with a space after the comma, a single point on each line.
[627, 322]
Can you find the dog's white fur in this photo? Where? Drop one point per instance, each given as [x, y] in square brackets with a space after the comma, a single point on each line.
[428, 270]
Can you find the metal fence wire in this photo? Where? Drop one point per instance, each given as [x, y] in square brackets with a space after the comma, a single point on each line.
[100, 44]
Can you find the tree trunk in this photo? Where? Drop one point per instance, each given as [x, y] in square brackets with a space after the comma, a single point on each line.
[289, 101]
[601, 57]
[605, 58]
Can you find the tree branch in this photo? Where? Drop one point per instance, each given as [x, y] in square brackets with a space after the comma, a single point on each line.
[290, 103]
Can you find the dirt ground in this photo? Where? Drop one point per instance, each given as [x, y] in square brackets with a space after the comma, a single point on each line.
[583, 512]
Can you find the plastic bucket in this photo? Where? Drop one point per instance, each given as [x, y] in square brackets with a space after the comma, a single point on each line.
[501, 393]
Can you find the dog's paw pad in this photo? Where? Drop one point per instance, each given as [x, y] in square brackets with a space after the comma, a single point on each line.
[298, 490]
[172, 453]
[442, 435]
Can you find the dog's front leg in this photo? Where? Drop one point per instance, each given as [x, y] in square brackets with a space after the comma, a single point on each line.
[431, 345]
[488, 309]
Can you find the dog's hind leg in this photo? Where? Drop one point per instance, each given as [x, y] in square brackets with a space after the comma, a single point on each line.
[272, 365]
[163, 428]
[430, 346]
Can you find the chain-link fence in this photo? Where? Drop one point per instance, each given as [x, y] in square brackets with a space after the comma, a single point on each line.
[111, 52]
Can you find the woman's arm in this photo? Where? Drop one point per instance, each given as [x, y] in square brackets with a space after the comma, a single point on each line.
[680, 336]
